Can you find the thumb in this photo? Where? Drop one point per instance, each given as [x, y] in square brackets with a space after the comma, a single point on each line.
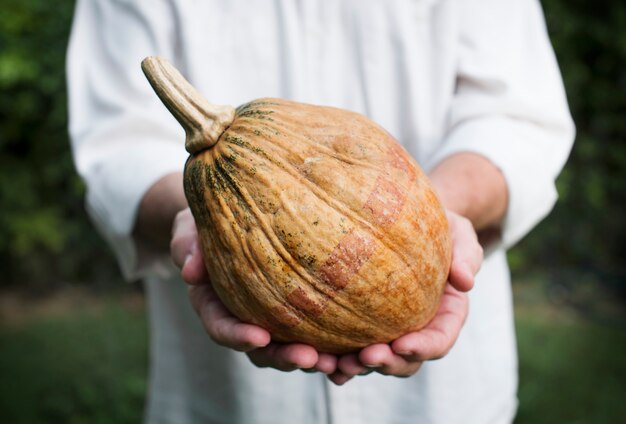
[185, 249]
[193, 270]
[467, 253]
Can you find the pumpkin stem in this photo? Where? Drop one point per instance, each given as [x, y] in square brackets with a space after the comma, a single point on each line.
[203, 122]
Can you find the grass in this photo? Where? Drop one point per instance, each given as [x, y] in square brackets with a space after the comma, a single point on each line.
[572, 365]
[79, 358]
[86, 364]
[571, 373]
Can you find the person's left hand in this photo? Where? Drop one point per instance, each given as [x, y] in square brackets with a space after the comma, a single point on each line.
[223, 327]
[404, 356]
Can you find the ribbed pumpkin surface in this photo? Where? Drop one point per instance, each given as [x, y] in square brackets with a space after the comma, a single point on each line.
[317, 225]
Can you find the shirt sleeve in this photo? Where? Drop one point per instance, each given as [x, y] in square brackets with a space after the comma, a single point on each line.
[510, 106]
[123, 140]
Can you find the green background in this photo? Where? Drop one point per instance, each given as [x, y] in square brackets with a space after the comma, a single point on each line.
[45, 237]
[570, 273]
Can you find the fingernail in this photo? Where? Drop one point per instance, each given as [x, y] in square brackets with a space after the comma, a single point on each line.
[187, 259]
[373, 365]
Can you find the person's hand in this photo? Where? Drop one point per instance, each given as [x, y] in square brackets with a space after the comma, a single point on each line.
[404, 356]
[224, 328]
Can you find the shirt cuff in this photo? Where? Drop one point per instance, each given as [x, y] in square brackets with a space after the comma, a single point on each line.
[528, 155]
[116, 190]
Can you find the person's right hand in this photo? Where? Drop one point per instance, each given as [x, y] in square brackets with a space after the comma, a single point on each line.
[224, 328]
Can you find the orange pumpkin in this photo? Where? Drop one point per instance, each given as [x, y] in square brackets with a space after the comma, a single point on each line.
[314, 222]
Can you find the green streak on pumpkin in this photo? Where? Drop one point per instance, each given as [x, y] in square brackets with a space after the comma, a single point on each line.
[248, 106]
[263, 115]
[225, 172]
[239, 141]
[194, 186]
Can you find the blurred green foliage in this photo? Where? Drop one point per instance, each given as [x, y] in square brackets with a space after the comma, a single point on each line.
[87, 365]
[586, 232]
[569, 372]
[45, 237]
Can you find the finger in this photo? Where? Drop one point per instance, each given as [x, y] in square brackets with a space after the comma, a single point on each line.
[375, 356]
[350, 365]
[193, 270]
[284, 357]
[467, 253]
[185, 249]
[181, 247]
[184, 236]
[385, 361]
[326, 363]
[221, 325]
[183, 221]
[437, 338]
[339, 378]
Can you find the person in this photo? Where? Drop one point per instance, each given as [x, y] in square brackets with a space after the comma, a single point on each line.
[470, 88]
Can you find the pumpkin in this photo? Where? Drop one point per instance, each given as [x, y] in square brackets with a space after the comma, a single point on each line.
[313, 221]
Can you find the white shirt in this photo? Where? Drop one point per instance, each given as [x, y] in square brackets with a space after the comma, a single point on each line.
[441, 76]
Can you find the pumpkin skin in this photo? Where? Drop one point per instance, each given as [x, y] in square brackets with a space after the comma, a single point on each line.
[318, 226]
